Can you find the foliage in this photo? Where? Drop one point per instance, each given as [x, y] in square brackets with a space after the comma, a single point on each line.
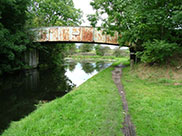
[52, 55]
[88, 67]
[69, 49]
[16, 16]
[86, 47]
[43, 13]
[99, 65]
[21, 92]
[95, 110]
[14, 39]
[53, 13]
[158, 51]
[72, 49]
[72, 66]
[140, 21]
[120, 53]
[100, 50]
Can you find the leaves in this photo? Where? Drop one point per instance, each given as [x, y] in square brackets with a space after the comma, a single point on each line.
[141, 21]
[18, 16]
[158, 51]
[13, 38]
[53, 13]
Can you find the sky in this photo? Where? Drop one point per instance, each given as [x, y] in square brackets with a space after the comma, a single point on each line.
[85, 6]
[78, 72]
[87, 9]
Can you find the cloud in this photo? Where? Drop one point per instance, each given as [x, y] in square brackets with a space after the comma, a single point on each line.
[87, 9]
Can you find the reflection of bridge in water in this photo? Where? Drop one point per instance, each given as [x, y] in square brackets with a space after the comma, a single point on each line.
[74, 35]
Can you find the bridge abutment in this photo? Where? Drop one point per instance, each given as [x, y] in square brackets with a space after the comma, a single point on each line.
[31, 58]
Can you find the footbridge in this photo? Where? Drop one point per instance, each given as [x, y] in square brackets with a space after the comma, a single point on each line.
[74, 35]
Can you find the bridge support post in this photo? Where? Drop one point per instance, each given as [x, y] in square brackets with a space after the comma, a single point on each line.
[31, 58]
[132, 57]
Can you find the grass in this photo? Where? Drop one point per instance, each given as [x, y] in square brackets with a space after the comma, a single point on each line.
[124, 61]
[94, 108]
[168, 73]
[155, 107]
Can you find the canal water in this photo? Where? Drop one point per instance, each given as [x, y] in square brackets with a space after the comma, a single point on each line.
[22, 92]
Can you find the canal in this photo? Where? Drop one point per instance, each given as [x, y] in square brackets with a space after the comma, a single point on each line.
[22, 92]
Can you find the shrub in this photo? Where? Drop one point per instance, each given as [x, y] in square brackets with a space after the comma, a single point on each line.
[100, 50]
[120, 53]
[157, 51]
[86, 47]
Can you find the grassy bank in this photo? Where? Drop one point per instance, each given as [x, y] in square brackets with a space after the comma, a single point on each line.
[94, 108]
[123, 61]
[154, 101]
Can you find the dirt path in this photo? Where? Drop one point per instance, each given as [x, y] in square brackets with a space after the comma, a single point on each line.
[128, 128]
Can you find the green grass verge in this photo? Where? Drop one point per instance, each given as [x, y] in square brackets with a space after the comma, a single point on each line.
[94, 108]
[155, 107]
[123, 61]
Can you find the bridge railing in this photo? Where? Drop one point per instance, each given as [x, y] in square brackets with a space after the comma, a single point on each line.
[74, 34]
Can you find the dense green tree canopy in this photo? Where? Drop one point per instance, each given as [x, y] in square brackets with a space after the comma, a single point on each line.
[13, 37]
[18, 16]
[141, 22]
[53, 13]
[101, 50]
[86, 47]
[44, 13]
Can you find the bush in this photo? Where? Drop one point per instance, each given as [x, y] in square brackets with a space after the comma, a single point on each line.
[120, 53]
[157, 51]
[101, 50]
[86, 47]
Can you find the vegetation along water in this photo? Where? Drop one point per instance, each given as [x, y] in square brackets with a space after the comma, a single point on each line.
[151, 30]
[22, 92]
[94, 108]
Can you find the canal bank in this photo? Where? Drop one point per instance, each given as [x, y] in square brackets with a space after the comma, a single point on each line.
[22, 91]
[94, 108]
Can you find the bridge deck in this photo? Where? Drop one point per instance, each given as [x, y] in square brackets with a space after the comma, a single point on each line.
[74, 34]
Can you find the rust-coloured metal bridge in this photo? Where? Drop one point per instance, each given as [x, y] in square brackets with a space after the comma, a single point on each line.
[74, 34]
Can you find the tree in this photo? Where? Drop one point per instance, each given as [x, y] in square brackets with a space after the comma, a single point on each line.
[141, 22]
[70, 49]
[14, 38]
[17, 16]
[72, 66]
[100, 65]
[120, 53]
[86, 47]
[44, 13]
[53, 13]
[88, 67]
[100, 50]
[107, 50]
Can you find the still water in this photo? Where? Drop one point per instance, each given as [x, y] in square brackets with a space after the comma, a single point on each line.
[21, 92]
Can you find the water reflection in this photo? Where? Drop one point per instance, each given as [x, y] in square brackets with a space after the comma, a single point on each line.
[100, 65]
[88, 67]
[72, 65]
[20, 92]
[84, 70]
